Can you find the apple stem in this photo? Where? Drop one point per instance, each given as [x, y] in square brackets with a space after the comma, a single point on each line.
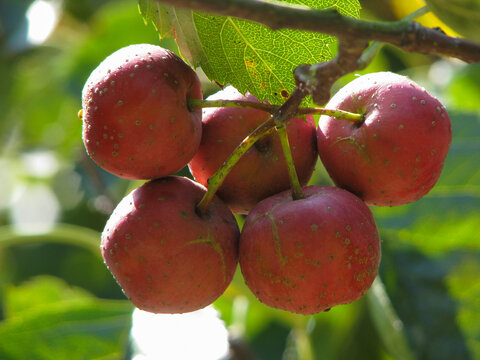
[338, 114]
[216, 180]
[297, 192]
[354, 118]
[196, 103]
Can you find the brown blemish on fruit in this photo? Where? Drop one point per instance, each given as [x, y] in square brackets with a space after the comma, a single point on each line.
[348, 228]
[276, 238]
[346, 241]
[216, 246]
[354, 142]
[314, 227]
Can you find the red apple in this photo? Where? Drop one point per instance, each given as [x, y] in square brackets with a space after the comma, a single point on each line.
[136, 122]
[262, 171]
[307, 255]
[396, 154]
[165, 256]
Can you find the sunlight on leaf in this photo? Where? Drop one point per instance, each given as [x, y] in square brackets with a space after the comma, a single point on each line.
[249, 56]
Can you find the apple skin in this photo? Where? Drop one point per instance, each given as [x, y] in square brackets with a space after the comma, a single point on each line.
[262, 171]
[165, 257]
[308, 255]
[136, 122]
[397, 154]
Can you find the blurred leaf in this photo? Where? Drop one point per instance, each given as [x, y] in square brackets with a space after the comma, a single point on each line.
[49, 320]
[42, 292]
[247, 55]
[464, 88]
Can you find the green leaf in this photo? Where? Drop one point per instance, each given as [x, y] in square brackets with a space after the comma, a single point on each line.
[159, 15]
[47, 319]
[247, 55]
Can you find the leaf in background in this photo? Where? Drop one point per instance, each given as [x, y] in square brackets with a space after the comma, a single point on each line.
[160, 15]
[431, 254]
[247, 55]
[49, 320]
[464, 88]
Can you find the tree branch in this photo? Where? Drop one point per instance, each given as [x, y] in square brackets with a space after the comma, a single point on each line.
[408, 36]
[318, 79]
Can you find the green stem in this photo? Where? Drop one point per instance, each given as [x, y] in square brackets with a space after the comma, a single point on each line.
[216, 180]
[416, 14]
[196, 103]
[61, 233]
[389, 326]
[372, 51]
[297, 192]
[303, 344]
[338, 114]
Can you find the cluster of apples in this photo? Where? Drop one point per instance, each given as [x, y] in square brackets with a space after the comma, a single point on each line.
[300, 255]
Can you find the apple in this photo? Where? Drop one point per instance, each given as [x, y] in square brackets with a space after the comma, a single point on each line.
[262, 171]
[396, 154]
[308, 255]
[136, 120]
[165, 256]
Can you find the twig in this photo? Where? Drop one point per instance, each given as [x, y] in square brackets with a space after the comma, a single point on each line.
[408, 36]
[318, 79]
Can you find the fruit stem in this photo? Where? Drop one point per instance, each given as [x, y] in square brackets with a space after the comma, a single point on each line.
[216, 180]
[196, 103]
[297, 192]
[338, 114]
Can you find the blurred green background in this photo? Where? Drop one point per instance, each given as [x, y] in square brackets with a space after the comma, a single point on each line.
[58, 301]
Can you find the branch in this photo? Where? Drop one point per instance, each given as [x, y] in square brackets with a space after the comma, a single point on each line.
[408, 36]
[318, 79]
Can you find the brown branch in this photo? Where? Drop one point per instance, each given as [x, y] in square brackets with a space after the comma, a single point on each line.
[318, 79]
[408, 36]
